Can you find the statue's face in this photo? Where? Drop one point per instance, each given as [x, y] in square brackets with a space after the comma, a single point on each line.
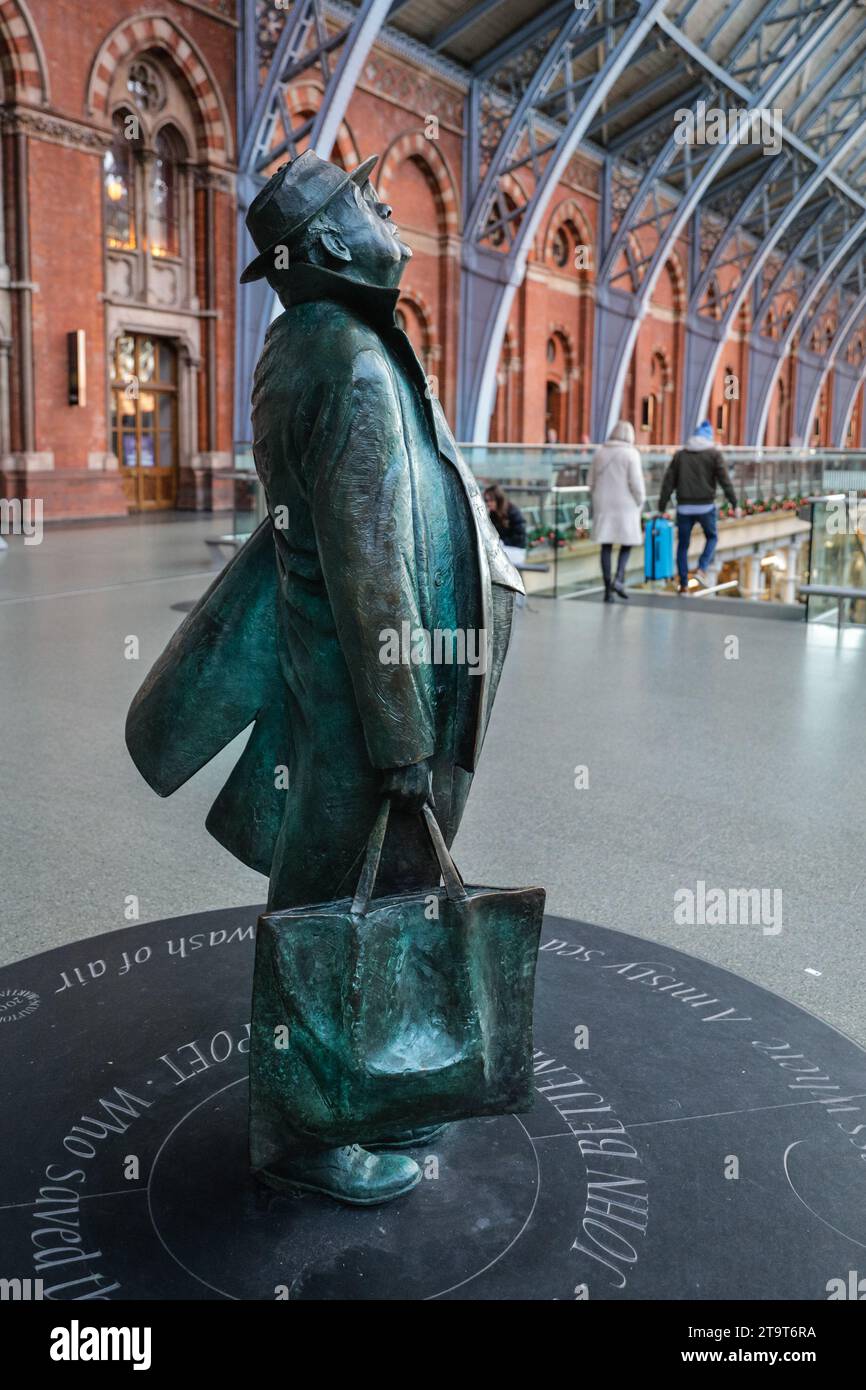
[378, 255]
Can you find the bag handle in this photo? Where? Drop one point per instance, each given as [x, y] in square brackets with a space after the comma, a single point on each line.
[454, 887]
[366, 882]
[451, 875]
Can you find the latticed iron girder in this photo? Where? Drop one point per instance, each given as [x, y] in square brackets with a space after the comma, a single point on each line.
[836, 257]
[490, 277]
[555, 107]
[307, 46]
[658, 206]
[750, 231]
[522, 142]
[520, 41]
[841, 290]
[750, 254]
[304, 33]
[832, 252]
[780, 31]
[852, 244]
[847, 328]
[654, 201]
[854, 169]
[771, 43]
[613, 114]
[808, 229]
[841, 105]
[751, 225]
[797, 36]
[770, 38]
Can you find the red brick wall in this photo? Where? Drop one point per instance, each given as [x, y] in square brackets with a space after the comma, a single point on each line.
[656, 369]
[66, 264]
[64, 214]
[225, 239]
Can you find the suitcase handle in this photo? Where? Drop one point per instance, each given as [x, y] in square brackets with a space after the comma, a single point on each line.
[366, 883]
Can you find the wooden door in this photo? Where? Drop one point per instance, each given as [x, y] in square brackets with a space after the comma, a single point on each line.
[144, 419]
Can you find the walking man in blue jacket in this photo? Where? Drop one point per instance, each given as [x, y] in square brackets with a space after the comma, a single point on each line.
[694, 473]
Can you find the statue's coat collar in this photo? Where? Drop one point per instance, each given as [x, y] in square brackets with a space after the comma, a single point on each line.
[305, 283]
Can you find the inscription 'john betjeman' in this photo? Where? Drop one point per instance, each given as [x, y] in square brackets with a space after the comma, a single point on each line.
[616, 1203]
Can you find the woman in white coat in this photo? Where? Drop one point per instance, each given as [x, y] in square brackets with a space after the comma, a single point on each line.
[618, 494]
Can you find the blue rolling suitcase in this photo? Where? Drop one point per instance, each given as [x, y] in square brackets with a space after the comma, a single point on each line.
[659, 548]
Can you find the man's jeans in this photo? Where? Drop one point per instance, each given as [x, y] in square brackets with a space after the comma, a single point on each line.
[707, 520]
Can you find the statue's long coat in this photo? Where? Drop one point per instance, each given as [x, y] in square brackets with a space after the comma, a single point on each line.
[375, 521]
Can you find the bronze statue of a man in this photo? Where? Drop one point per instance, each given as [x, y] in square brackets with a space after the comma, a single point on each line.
[322, 632]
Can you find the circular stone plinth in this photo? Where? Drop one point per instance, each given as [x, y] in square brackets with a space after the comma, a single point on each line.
[693, 1136]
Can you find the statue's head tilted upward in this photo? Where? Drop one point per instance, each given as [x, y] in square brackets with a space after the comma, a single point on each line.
[315, 212]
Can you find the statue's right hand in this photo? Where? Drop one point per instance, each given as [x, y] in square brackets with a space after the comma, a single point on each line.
[408, 787]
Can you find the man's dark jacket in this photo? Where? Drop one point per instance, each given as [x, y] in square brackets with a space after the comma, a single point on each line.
[375, 524]
[694, 473]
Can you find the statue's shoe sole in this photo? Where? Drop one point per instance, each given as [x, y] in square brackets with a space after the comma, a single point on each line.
[297, 1187]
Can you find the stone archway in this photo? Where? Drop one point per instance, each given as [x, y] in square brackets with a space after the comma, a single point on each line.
[153, 30]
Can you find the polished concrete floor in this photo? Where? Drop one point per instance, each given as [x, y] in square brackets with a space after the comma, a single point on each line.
[740, 773]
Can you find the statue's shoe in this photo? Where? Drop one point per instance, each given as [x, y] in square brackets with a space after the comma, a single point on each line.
[350, 1174]
[409, 1138]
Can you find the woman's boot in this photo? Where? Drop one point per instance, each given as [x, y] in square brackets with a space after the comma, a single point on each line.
[619, 581]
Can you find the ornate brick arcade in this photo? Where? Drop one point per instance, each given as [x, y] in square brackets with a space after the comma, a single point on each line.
[574, 258]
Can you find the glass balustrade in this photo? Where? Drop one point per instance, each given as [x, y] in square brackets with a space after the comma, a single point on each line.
[549, 484]
[837, 556]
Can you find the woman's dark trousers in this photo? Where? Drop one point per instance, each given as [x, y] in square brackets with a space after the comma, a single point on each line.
[621, 562]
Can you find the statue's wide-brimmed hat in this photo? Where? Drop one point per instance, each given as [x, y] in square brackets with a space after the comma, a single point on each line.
[290, 200]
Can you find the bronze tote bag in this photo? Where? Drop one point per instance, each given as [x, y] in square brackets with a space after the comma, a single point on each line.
[372, 1015]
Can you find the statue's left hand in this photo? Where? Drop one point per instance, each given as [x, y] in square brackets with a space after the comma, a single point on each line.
[408, 787]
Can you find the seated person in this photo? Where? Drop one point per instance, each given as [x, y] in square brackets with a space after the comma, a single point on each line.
[506, 517]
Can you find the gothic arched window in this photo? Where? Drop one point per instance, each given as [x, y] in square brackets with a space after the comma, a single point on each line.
[146, 86]
[560, 248]
[163, 195]
[118, 182]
